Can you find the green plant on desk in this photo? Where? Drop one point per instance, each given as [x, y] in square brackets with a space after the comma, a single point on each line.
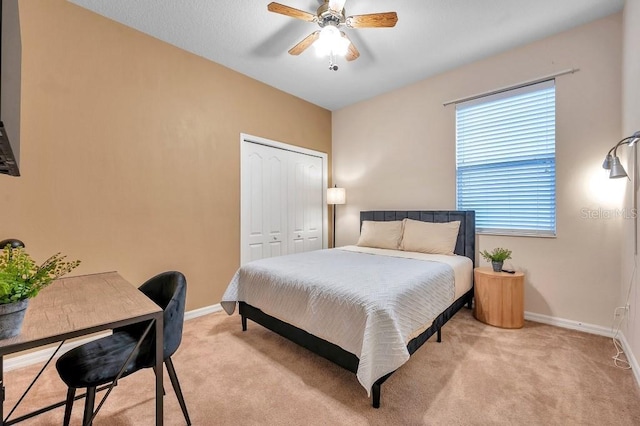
[498, 254]
[21, 278]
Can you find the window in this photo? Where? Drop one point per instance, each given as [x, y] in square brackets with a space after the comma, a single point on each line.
[505, 160]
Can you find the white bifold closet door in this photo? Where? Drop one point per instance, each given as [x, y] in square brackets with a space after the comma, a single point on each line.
[281, 202]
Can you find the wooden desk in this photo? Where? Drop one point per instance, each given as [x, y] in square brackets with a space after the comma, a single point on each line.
[77, 306]
[499, 298]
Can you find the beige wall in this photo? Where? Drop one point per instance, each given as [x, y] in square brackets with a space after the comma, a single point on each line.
[397, 151]
[631, 124]
[130, 150]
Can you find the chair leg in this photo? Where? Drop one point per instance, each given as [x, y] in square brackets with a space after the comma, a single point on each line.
[88, 406]
[71, 393]
[176, 388]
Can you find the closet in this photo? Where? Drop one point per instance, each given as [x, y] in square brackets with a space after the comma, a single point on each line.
[282, 199]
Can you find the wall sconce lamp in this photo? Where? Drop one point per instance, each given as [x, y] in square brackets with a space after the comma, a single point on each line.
[612, 162]
[335, 196]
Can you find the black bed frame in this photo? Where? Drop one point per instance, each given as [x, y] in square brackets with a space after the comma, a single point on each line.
[465, 246]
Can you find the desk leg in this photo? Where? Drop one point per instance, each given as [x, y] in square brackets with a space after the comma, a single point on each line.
[1, 391]
[159, 370]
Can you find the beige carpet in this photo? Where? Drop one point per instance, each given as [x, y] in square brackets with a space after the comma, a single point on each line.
[478, 375]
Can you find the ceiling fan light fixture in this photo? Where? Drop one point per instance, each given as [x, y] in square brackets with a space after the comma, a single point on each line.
[330, 42]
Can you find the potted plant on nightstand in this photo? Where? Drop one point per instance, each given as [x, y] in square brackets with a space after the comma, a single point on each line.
[20, 280]
[497, 257]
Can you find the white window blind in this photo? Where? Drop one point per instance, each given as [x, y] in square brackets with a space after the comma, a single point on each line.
[505, 160]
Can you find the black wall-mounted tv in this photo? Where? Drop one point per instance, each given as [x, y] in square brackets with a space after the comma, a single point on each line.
[10, 80]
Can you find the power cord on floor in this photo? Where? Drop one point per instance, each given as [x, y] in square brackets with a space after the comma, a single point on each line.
[620, 358]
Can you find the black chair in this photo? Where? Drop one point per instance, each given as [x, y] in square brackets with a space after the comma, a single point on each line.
[98, 362]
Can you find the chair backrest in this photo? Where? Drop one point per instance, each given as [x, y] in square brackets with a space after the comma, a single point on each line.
[169, 291]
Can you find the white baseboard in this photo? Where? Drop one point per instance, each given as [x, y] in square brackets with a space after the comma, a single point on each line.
[41, 356]
[633, 362]
[570, 324]
[202, 311]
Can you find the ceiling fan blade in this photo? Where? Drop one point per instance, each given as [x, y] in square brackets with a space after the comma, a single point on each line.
[373, 20]
[306, 42]
[291, 12]
[352, 52]
[336, 5]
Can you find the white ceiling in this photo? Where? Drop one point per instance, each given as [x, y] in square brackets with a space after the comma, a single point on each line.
[431, 36]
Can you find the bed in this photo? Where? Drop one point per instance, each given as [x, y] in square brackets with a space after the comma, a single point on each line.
[303, 297]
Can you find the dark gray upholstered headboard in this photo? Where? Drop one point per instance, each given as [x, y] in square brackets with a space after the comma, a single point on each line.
[466, 243]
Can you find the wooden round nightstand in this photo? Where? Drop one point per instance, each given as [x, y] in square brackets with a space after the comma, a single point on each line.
[499, 298]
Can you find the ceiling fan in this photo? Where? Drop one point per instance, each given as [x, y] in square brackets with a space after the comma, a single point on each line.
[330, 40]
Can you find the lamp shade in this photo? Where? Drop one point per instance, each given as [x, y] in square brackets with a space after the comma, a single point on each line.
[336, 196]
[331, 42]
[617, 171]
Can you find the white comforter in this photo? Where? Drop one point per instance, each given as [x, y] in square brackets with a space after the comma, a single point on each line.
[368, 304]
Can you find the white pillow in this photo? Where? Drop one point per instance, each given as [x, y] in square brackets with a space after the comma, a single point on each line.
[386, 235]
[430, 237]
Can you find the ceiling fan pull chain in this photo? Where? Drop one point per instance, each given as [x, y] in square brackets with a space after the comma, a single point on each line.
[332, 62]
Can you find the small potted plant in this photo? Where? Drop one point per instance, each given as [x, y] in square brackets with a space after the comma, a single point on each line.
[497, 257]
[20, 280]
